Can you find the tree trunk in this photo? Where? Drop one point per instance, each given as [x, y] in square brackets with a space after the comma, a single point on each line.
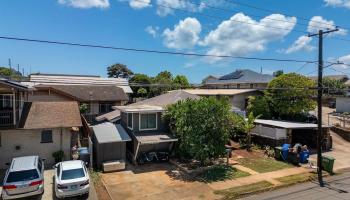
[249, 141]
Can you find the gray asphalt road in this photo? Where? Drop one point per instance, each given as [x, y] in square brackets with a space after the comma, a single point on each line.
[336, 188]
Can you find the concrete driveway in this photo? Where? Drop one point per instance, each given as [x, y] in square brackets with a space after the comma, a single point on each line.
[154, 182]
[49, 193]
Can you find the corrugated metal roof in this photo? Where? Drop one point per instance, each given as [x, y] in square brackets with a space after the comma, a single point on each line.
[108, 133]
[286, 124]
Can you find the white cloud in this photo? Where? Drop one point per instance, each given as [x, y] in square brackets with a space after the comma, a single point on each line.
[238, 39]
[152, 30]
[302, 43]
[166, 7]
[345, 60]
[139, 4]
[338, 3]
[85, 3]
[185, 34]
[317, 22]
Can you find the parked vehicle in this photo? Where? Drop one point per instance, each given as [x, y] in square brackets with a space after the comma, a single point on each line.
[71, 179]
[24, 178]
[148, 157]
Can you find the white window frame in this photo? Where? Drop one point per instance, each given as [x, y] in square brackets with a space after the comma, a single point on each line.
[132, 121]
[11, 99]
[148, 129]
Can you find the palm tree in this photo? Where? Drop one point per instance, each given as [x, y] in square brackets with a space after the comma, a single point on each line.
[246, 125]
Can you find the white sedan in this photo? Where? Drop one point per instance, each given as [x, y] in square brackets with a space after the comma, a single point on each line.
[71, 179]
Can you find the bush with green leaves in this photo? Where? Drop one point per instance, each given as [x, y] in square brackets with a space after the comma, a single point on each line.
[259, 105]
[202, 127]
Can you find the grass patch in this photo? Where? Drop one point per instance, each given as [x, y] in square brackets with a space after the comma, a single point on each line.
[238, 192]
[297, 178]
[221, 173]
[263, 165]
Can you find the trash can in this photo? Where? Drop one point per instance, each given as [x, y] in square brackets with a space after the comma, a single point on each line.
[285, 151]
[84, 155]
[278, 153]
[304, 156]
[328, 163]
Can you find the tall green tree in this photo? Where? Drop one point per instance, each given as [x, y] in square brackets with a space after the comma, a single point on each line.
[163, 82]
[202, 127]
[143, 80]
[10, 73]
[119, 70]
[259, 106]
[180, 82]
[277, 73]
[290, 95]
[333, 86]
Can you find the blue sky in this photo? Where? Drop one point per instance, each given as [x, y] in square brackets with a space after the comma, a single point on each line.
[151, 24]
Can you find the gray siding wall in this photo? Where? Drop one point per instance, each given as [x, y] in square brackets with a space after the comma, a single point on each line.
[108, 152]
[162, 126]
[343, 104]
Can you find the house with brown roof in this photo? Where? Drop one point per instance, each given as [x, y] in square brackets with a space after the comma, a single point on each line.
[144, 123]
[98, 94]
[35, 128]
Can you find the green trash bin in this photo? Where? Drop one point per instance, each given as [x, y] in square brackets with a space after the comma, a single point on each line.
[328, 163]
[278, 153]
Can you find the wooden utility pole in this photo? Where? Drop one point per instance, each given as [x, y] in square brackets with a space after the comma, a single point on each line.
[319, 101]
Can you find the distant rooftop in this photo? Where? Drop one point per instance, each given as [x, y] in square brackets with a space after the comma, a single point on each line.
[214, 92]
[242, 76]
[72, 75]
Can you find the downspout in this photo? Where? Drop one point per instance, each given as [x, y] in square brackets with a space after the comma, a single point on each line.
[14, 106]
[137, 151]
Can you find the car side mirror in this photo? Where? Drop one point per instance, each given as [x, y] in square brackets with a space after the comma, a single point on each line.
[86, 163]
[55, 166]
[43, 159]
[8, 164]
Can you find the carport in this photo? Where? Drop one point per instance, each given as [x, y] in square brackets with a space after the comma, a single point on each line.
[275, 133]
[109, 143]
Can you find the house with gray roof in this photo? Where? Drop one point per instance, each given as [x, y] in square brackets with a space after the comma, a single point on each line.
[144, 123]
[239, 79]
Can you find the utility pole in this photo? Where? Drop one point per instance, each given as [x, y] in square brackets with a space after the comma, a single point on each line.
[319, 101]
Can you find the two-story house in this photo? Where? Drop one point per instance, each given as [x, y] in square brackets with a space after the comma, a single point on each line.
[34, 128]
[144, 123]
[239, 79]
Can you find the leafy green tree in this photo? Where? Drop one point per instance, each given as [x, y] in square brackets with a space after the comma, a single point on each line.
[180, 82]
[163, 82]
[333, 86]
[259, 105]
[246, 125]
[11, 73]
[142, 92]
[202, 127]
[290, 95]
[278, 73]
[143, 80]
[119, 70]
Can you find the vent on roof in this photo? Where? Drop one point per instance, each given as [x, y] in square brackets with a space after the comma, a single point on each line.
[234, 75]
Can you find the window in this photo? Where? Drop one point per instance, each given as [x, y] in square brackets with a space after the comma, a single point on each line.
[58, 170]
[26, 175]
[148, 121]
[105, 107]
[40, 165]
[46, 136]
[6, 101]
[130, 121]
[251, 85]
[238, 86]
[72, 174]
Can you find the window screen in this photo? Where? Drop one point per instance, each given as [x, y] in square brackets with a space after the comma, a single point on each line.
[130, 120]
[46, 136]
[148, 121]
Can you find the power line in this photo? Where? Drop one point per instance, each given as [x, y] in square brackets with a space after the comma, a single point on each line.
[274, 11]
[151, 50]
[222, 18]
[250, 14]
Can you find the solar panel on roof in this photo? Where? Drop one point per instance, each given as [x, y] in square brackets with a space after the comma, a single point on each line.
[233, 75]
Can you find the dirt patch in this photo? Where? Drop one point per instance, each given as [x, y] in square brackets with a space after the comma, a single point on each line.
[246, 154]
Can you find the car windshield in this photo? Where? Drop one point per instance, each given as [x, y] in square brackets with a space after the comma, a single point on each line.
[72, 174]
[26, 175]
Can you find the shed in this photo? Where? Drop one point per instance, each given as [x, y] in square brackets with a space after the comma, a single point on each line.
[109, 142]
[274, 133]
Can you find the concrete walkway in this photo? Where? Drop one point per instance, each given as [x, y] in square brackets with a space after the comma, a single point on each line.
[257, 177]
[336, 188]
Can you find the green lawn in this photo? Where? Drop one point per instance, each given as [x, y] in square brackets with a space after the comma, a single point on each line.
[221, 173]
[238, 192]
[262, 165]
[298, 178]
